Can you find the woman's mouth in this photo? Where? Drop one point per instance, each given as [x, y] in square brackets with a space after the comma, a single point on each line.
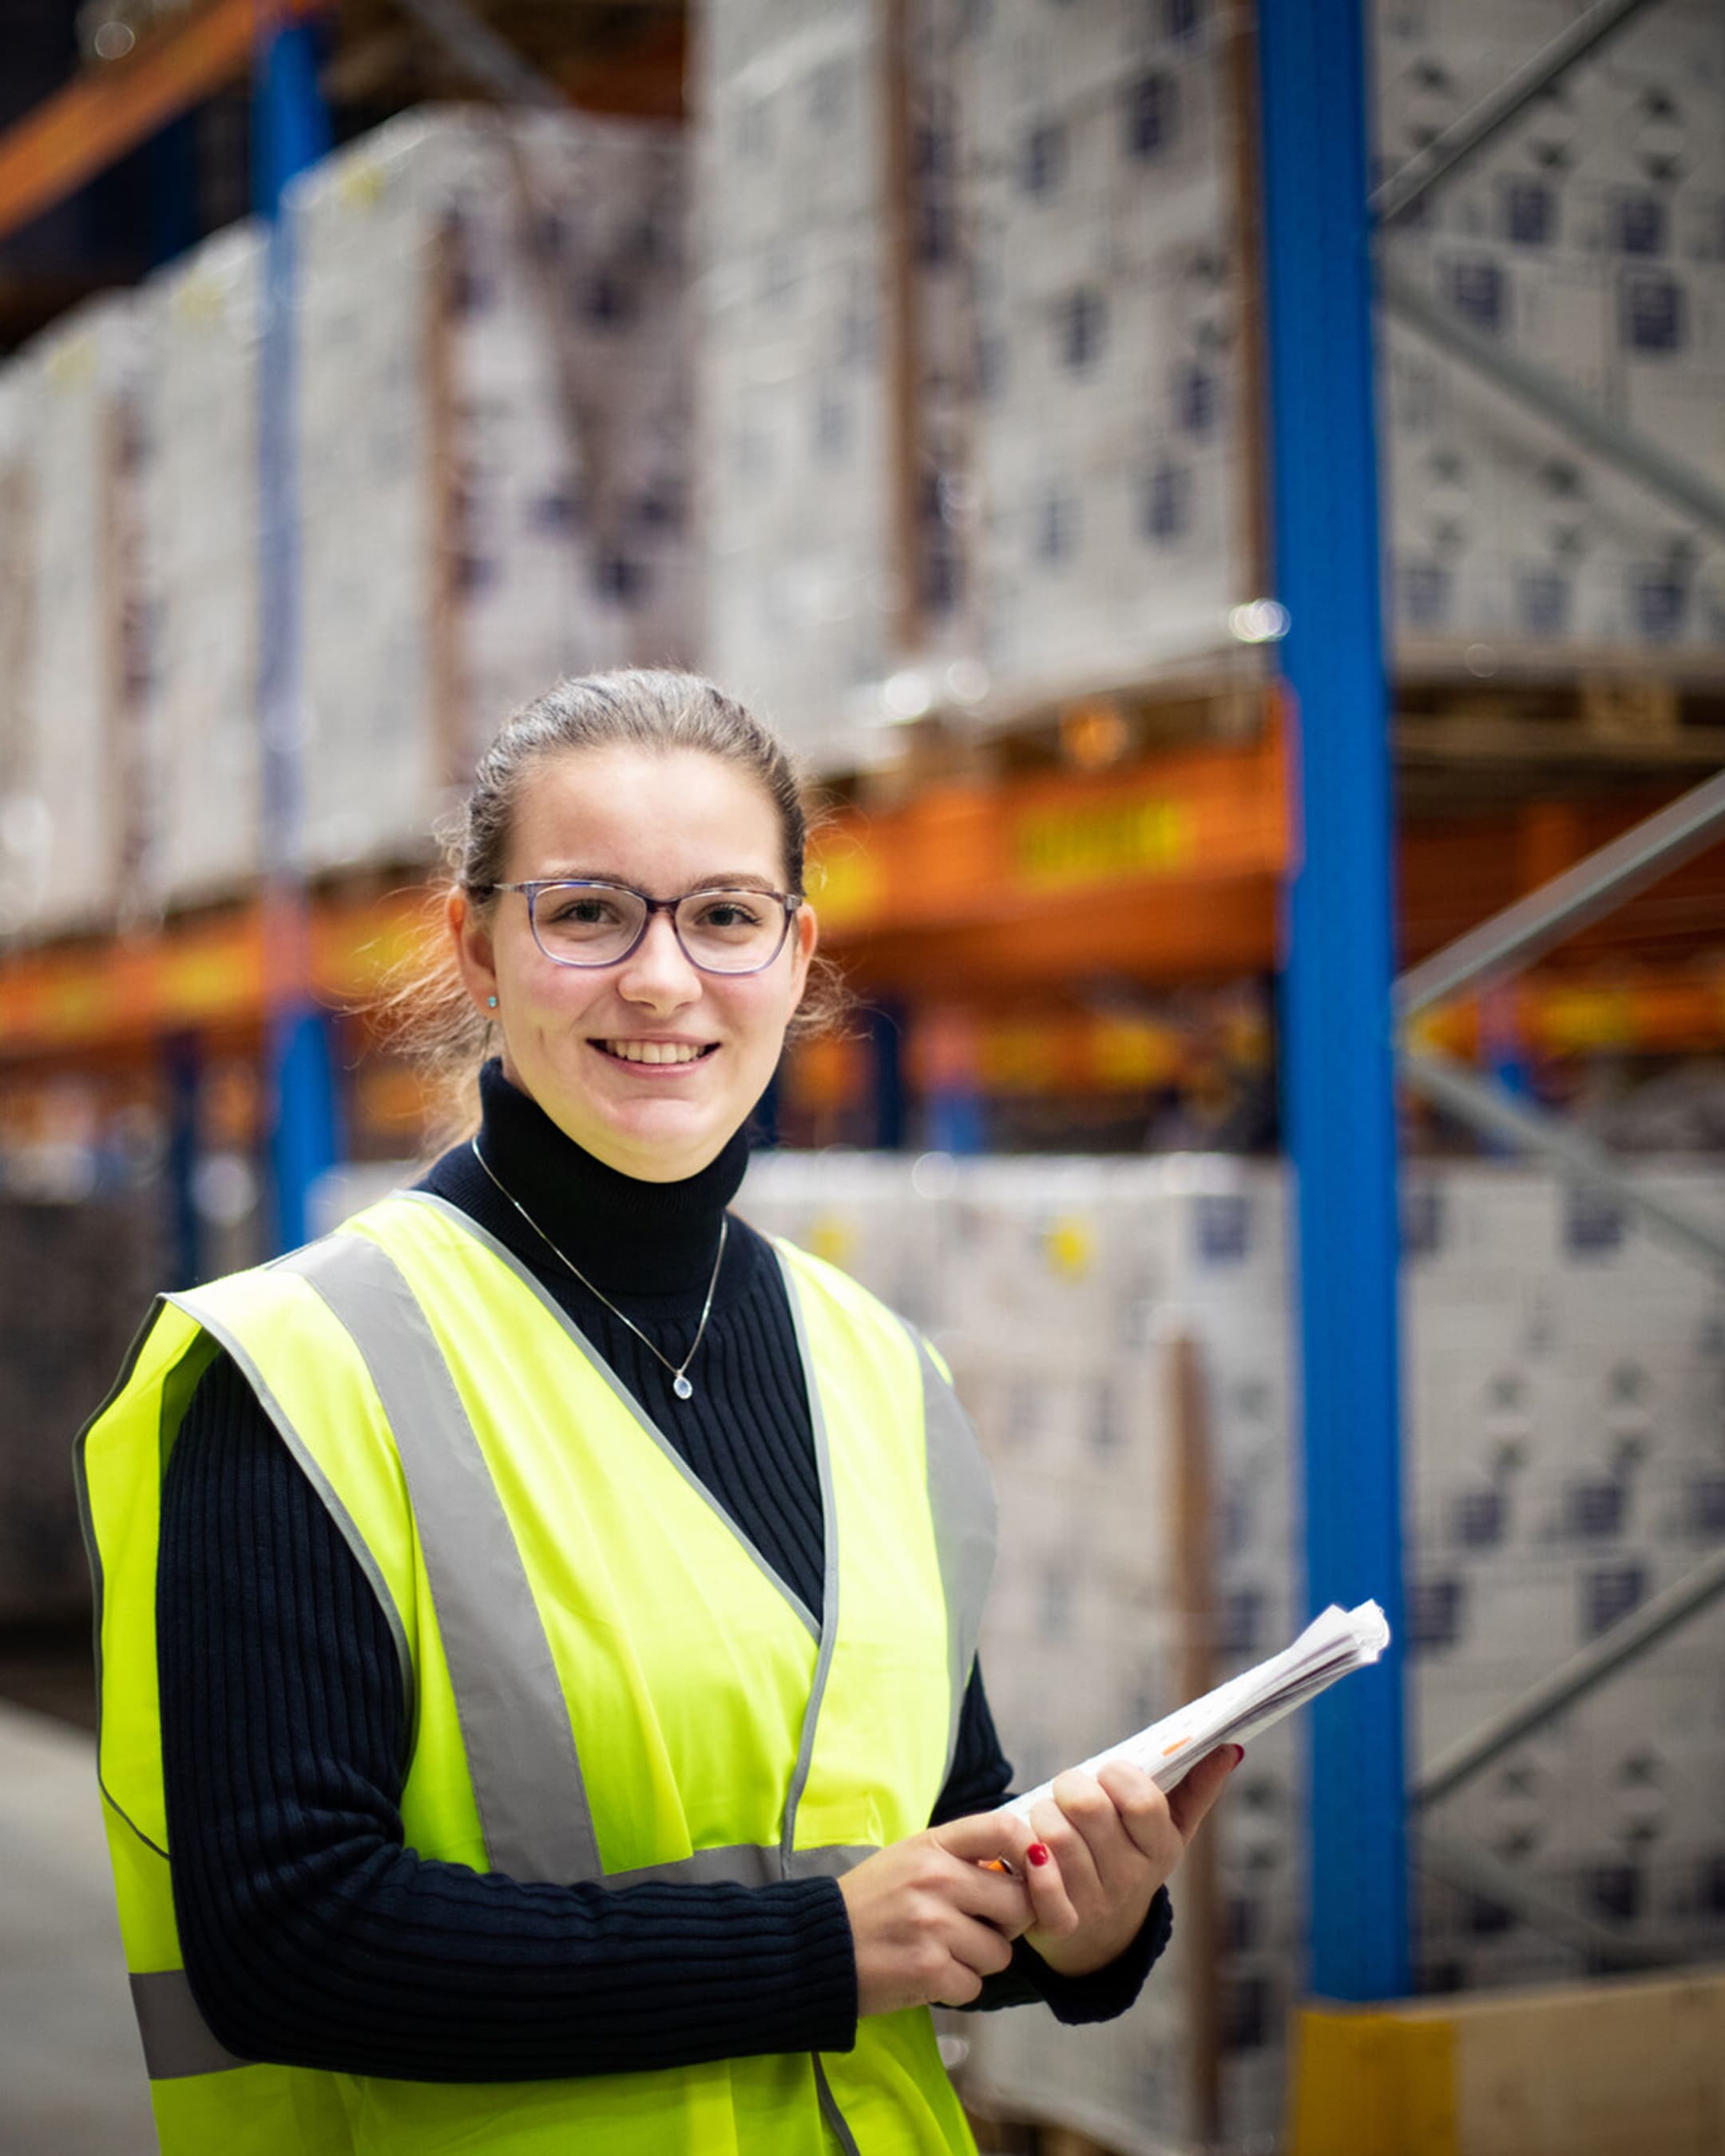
[656, 1051]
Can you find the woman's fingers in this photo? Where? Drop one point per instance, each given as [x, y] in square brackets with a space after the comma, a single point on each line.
[1188, 1803]
[928, 1920]
[1077, 1824]
[1116, 1839]
[1145, 1818]
[996, 1899]
[1161, 1826]
[934, 1916]
[982, 1837]
[978, 1948]
[985, 1843]
[1054, 1912]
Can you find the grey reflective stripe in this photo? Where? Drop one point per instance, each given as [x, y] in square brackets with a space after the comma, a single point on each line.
[961, 1503]
[312, 1469]
[625, 1399]
[746, 1865]
[830, 2110]
[515, 1722]
[177, 2038]
[829, 1583]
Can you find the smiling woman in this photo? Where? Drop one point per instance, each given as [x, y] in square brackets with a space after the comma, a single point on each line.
[647, 731]
[548, 1715]
[626, 1018]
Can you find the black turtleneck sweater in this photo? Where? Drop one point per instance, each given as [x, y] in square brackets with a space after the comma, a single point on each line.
[311, 1935]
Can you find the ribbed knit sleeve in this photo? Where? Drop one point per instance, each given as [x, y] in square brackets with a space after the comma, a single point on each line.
[1100, 1996]
[311, 1936]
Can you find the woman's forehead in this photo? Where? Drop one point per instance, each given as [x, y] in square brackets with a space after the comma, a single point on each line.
[603, 810]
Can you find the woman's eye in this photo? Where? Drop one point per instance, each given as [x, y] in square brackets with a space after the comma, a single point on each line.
[581, 913]
[728, 913]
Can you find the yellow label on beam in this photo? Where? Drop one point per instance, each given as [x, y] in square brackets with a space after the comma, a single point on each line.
[75, 1006]
[1062, 849]
[1128, 1053]
[1587, 1017]
[207, 981]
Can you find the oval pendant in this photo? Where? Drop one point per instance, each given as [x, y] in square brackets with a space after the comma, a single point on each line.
[682, 1387]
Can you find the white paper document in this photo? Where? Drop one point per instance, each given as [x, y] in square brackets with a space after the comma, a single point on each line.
[1332, 1646]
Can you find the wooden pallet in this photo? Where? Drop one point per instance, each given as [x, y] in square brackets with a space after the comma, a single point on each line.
[1617, 714]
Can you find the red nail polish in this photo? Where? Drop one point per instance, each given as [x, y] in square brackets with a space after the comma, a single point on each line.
[1037, 1854]
[1239, 1752]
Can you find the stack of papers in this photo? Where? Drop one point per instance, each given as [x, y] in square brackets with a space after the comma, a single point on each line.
[1333, 1645]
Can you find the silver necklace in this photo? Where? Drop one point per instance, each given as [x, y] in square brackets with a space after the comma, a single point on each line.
[680, 1383]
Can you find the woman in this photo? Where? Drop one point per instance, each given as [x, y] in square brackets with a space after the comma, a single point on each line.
[546, 1716]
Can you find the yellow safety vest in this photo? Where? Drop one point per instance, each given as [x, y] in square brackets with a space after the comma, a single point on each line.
[605, 1681]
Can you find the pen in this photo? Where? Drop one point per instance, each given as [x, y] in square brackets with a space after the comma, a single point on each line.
[1036, 1854]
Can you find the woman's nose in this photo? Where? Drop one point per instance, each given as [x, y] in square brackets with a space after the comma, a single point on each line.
[658, 970]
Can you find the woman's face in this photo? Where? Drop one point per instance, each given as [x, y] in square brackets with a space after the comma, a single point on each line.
[665, 824]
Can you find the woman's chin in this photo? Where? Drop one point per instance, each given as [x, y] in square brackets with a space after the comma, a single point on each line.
[663, 1141]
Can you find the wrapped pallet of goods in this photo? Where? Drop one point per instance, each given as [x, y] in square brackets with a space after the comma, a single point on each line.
[974, 422]
[796, 419]
[1584, 242]
[492, 372]
[1564, 1470]
[982, 416]
[74, 818]
[204, 324]
[1111, 527]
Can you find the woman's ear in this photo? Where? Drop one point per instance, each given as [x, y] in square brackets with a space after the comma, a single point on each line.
[807, 936]
[471, 936]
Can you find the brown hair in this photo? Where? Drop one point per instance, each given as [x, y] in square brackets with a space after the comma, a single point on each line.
[426, 1012]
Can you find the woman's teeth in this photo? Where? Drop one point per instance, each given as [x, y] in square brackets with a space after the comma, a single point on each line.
[653, 1051]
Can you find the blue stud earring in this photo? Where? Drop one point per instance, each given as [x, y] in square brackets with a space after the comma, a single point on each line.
[491, 1003]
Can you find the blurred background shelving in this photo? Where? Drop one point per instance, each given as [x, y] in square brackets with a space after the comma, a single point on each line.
[1509, 731]
[904, 364]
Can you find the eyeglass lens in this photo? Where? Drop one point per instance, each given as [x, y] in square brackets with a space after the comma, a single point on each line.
[722, 931]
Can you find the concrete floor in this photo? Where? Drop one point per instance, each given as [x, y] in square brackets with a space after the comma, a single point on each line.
[71, 2075]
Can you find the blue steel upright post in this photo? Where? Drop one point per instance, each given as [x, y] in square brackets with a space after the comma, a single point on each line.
[1338, 1097]
[290, 132]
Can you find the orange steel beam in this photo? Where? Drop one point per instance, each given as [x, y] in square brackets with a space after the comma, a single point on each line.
[1169, 869]
[976, 856]
[110, 108]
[200, 974]
[1162, 934]
[1667, 1010]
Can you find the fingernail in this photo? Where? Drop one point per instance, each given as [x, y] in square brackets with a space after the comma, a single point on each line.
[1037, 1854]
[1239, 1752]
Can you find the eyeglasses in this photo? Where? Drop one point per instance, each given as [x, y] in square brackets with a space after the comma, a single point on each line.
[576, 922]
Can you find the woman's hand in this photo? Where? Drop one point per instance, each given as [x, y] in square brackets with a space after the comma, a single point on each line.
[930, 1920]
[1115, 1840]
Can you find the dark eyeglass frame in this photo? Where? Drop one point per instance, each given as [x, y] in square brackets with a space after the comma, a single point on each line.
[790, 901]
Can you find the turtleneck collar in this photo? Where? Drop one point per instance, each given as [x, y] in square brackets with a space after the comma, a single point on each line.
[628, 1237]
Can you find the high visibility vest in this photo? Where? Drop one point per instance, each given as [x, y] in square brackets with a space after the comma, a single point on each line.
[605, 1681]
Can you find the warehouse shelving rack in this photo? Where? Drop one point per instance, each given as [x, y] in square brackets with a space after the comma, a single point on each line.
[1340, 1007]
[1325, 756]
